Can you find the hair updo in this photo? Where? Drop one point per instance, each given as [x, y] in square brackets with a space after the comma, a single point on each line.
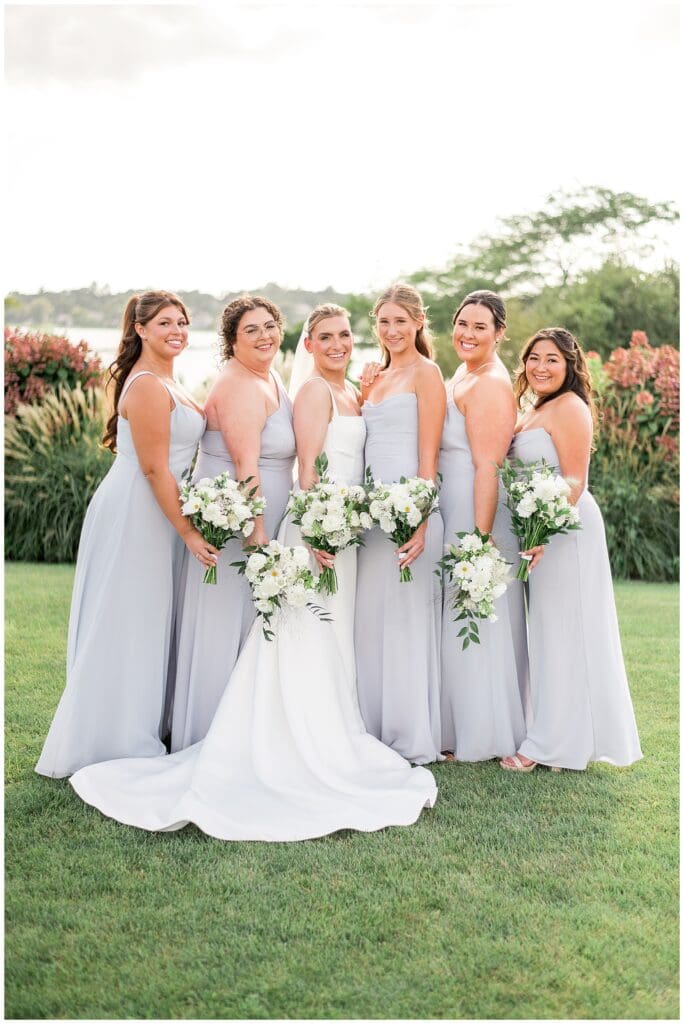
[577, 376]
[493, 302]
[406, 296]
[323, 312]
[140, 309]
[233, 313]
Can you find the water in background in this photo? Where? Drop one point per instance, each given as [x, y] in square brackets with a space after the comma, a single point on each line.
[197, 366]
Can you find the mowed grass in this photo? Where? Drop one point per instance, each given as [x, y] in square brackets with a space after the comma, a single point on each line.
[518, 896]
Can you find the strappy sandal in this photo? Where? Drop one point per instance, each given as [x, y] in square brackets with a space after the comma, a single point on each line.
[518, 766]
[515, 764]
[448, 755]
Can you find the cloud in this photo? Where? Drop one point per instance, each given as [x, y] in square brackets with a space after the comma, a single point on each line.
[76, 45]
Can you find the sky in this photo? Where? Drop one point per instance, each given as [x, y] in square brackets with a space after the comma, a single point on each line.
[221, 147]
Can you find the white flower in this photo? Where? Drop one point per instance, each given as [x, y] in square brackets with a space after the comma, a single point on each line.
[267, 586]
[366, 520]
[256, 562]
[300, 556]
[526, 506]
[191, 505]
[471, 542]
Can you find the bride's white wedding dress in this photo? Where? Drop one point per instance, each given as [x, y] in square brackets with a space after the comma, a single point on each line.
[287, 756]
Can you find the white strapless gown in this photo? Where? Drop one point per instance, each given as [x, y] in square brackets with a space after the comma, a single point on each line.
[287, 756]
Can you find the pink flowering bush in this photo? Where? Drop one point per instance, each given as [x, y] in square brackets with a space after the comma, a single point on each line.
[635, 469]
[37, 363]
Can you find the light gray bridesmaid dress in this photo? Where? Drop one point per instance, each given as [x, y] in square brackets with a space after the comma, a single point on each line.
[484, 688]
[397, 625]
[119, 639]
[213, 620]
[580, 695]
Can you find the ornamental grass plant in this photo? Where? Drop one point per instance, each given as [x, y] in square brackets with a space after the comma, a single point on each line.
[54, 462]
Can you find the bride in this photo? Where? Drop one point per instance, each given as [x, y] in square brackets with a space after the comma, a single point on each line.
[287, 756]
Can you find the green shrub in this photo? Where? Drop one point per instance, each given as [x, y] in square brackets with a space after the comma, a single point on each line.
[54, 462]
[641, 513]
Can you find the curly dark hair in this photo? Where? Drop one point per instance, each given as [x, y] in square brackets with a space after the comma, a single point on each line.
[233, 313]
[140, 309]
[577, 376]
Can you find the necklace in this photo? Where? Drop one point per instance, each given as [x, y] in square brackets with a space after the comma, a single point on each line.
[492, 362]
[391, 369]
[264, 375]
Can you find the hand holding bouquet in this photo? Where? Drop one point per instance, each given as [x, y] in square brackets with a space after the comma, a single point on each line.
[538, 501]
[400, 508]
[279, 576]
[331, 516]
[220, 508]
[478, 574]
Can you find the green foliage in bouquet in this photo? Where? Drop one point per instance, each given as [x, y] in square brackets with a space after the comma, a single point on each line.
[54, 462]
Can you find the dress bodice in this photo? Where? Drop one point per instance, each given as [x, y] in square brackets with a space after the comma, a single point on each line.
[187, 427]
[533, 446]
[454, 446]
[392, 437]
[277, 450]
[344, 444]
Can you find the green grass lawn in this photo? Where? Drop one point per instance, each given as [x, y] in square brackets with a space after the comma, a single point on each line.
[518, 896]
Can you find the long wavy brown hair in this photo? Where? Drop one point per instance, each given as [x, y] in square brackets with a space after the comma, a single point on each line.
[140, 309]
[577, 376]
[406, 296]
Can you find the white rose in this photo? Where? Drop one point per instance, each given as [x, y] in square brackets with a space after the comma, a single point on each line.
[256, 562]
[300, 556]
[471, 542]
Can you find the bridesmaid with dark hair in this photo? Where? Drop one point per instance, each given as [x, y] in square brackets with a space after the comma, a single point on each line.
[484, 688]
[580, 695]
[129, 553]
[249, 434]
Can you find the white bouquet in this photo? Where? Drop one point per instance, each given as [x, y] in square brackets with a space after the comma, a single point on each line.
[538, 501]
[220, 508]
[279, 576]
[478, 574]
[331, 516]
[400, 508]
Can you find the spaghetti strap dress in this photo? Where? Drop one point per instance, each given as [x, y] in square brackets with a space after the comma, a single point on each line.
[122, 607]
[582, 709]
[484, 688]
[213, 620]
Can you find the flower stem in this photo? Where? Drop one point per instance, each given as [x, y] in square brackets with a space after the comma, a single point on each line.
[328, 580]
[210, 574]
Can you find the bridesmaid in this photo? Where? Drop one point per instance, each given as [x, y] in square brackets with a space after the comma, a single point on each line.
[484, 688]
[249, 433]
[397, 625]
[129, 553]
[580, 696]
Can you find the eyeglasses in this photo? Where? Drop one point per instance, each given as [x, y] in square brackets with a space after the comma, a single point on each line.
[254, 331]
